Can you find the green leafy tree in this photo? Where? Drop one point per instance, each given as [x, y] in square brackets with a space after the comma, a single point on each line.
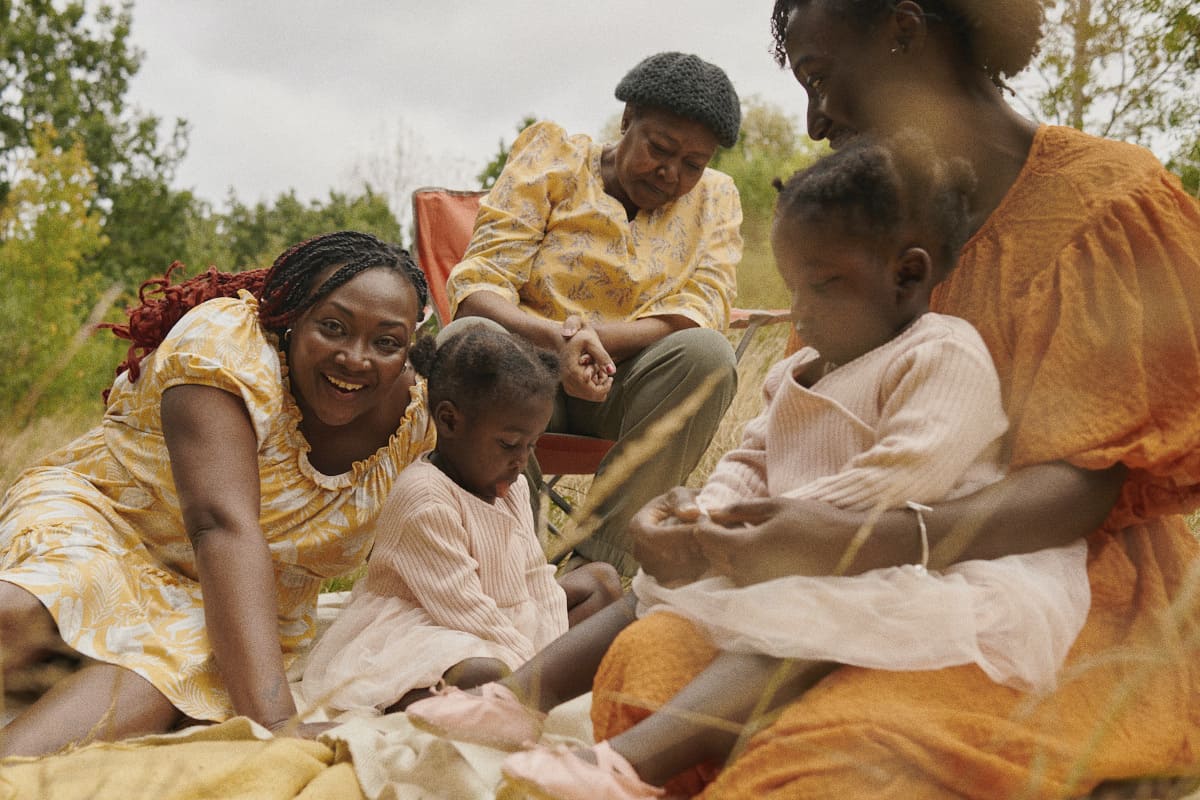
[1125, 70]
[69, 65]
[47, 230]
[1186, 164]
[769, 147]
[246, 237]
[487, 177]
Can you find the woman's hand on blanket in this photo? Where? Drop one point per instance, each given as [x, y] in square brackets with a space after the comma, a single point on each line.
[585, 367]
[752, 541]
[664, 541]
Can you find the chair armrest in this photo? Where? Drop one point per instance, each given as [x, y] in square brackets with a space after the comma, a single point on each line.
[750, 320]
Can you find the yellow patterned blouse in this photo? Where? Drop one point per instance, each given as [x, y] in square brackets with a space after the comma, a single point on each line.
[550, 239]
[95, 532]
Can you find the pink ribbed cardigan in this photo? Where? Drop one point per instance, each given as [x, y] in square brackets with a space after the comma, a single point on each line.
[473, 566]
[918, 418]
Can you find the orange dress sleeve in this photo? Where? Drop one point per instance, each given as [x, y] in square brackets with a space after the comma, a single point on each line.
[1085, 284]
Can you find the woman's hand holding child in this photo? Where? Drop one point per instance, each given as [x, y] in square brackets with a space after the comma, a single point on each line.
[757, 540]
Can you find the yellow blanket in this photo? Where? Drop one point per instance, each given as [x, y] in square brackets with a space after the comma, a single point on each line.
[381, 758]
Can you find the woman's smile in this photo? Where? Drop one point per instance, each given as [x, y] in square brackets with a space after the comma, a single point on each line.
[344, 386]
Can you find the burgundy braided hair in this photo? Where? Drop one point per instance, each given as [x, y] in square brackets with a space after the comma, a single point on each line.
[285, 291]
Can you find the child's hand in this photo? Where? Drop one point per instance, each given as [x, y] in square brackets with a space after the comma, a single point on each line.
[664, 540]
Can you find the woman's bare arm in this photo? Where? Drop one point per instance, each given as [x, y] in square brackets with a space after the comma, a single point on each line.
[1033, 508]
[213, 451]
[623, 340]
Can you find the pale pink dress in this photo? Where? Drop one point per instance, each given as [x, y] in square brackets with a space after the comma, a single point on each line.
[919, 419]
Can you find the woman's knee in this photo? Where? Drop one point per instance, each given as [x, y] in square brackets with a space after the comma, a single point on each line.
[661, 652]
[686, 363]
[707, 352]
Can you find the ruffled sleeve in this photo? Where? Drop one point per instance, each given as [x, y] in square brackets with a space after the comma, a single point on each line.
[220, 344]
[513, 216]
[1102, 350]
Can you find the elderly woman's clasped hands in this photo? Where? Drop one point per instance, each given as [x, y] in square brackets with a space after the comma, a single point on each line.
[587, 368]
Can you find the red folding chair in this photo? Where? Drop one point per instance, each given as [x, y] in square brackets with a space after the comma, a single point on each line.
[443, 220]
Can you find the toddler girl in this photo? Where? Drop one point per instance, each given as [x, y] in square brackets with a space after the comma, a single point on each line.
[457, 589]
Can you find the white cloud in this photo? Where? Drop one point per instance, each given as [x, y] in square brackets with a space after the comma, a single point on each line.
[287, 94]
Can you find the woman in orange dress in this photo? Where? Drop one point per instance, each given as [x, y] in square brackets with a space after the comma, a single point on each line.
[1083, 277]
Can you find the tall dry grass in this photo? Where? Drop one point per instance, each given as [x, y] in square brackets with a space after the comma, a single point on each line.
[21, 445]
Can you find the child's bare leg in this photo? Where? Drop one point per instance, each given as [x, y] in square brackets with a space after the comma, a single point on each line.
[705, 720]
[101, 702]
[565, 668]
[589, 588]
[466, 674]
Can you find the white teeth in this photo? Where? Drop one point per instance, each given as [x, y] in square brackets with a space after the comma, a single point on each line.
[349, 387]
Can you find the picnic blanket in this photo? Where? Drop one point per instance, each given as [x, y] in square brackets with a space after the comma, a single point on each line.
[383, 758]
[380, 758]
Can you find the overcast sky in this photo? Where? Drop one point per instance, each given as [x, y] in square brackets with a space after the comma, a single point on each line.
[301, 94]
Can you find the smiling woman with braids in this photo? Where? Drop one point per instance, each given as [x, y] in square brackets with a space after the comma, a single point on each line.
[243, 457]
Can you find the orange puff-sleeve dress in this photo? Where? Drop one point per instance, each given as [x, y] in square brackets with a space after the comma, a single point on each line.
[1085, 285]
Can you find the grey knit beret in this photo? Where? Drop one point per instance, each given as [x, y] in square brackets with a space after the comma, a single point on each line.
[686, 85]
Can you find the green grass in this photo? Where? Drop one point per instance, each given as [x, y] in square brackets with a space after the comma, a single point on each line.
[758, 283]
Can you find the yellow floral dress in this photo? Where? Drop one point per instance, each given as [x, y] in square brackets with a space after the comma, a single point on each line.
[551, 239]
[95, 532]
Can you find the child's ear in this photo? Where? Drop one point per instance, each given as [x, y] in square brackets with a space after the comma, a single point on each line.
[447, 417]
[914, 273]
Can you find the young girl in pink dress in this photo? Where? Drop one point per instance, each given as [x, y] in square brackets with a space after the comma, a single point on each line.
[457, 588]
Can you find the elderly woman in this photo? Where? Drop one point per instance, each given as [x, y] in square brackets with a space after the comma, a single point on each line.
[621, 258]
[1083, 277]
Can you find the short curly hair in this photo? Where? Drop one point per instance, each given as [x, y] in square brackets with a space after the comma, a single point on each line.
[998, 36]
[483, 368]
[878, 189]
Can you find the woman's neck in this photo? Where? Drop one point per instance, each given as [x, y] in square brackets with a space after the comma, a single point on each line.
[976, 124]
[612, 184]
[333, 450]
